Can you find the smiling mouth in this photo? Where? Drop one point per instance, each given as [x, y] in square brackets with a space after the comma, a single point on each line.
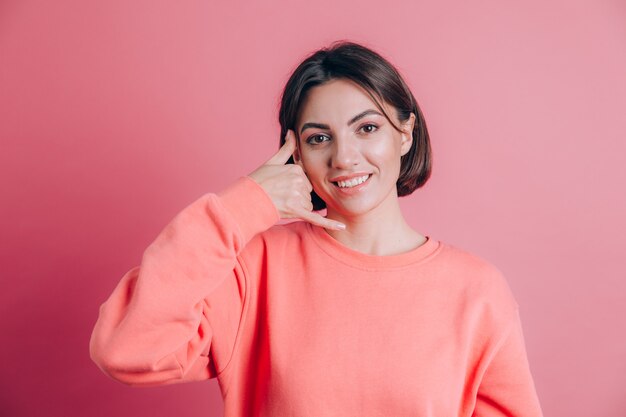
[352, 183]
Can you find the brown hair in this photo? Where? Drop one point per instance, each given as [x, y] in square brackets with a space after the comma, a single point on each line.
[382, 81]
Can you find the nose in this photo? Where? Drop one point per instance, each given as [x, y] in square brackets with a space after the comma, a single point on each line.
[345, 153]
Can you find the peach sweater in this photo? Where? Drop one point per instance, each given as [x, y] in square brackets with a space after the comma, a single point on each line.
[293, 323]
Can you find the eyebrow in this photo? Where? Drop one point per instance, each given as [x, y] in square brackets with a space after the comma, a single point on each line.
[354, 119]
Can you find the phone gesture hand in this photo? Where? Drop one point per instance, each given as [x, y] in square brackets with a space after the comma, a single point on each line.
[289, 188]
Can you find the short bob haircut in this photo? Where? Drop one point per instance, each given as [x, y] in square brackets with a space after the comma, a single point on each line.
[349, 60]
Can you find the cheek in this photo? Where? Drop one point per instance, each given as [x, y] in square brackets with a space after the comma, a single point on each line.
[312, 163]
[384, 154]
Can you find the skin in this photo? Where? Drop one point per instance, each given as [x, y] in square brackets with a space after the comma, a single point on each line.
[374, 220]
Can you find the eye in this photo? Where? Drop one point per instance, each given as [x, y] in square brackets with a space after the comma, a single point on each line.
[312, 140]
[370, 125]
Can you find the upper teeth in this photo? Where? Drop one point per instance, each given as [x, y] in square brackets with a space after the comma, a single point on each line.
[353, 181]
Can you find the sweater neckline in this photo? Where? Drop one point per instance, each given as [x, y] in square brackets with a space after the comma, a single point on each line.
[361, 260]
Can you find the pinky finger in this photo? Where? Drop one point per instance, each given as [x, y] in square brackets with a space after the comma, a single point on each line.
[321, 221]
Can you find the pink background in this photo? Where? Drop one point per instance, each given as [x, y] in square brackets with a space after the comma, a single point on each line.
[115, 115]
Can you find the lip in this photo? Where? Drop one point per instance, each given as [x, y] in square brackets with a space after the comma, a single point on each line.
[355, 189]
[347, 177]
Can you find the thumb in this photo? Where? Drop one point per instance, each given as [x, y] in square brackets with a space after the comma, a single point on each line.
[284, 153]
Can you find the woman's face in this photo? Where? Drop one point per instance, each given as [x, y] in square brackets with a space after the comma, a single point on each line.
[343, 136]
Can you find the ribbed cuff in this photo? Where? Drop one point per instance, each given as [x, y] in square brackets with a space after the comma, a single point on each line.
[250, 205]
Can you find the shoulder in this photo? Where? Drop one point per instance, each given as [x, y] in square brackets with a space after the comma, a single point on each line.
[277, 239]
[286, 230]
[282, 234]
[480, 280]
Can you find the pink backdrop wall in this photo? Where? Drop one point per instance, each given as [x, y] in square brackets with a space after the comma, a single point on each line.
[115, 115]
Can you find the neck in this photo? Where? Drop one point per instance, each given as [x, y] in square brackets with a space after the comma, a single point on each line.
[381, 231]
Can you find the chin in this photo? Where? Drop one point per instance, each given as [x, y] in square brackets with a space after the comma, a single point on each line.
[350, 209]
[358, 206]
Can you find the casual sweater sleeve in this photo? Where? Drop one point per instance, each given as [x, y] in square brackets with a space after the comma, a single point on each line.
[507, 388]
[175, 317]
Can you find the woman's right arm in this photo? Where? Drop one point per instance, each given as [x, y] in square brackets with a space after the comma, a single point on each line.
[175, 317]
[158, 325]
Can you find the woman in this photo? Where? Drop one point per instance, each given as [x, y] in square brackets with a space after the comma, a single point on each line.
[350, 314]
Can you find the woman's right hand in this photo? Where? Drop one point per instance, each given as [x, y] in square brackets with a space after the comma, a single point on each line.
[289, 187]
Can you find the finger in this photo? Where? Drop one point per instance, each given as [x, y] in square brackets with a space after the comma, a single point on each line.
[284, 153]
[321, 221]
[307, 204]
[307, 184]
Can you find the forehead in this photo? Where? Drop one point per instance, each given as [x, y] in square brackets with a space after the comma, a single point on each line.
[337, 101]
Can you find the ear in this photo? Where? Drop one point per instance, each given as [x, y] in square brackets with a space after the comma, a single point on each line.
[407, 134]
